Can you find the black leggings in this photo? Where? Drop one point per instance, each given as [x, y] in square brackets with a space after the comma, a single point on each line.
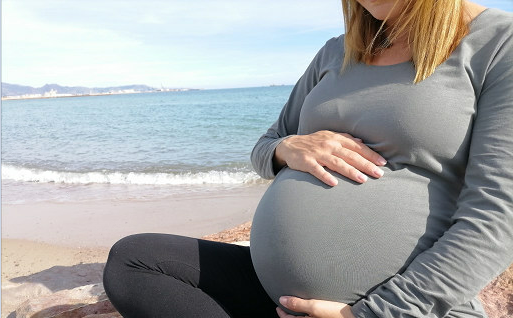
[162, 275]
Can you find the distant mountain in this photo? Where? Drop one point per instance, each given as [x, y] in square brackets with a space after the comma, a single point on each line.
[13, 90]
[18, 90]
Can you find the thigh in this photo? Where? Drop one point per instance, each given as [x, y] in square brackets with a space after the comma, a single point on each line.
[222, 271]
[227, 274]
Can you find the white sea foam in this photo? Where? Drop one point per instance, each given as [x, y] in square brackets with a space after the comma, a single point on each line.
[15, 173]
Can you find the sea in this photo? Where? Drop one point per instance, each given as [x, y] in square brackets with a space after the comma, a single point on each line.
[142, 146]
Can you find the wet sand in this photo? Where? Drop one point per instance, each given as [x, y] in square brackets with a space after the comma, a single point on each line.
[102, 223]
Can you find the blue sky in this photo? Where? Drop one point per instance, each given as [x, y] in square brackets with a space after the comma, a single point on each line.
[173, 43]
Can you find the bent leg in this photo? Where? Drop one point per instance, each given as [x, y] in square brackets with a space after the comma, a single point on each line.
[161, 275]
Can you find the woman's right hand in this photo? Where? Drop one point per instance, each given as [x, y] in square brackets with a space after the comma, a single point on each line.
[339, 152]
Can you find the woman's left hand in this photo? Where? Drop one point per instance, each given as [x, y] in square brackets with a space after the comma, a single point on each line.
[314, 308]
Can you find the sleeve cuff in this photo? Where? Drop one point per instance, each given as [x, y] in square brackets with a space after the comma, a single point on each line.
[269, 169]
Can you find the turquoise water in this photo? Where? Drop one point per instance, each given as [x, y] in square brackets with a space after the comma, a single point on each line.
[151, 144]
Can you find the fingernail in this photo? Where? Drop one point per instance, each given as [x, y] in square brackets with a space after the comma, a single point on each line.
[382, 161]
[283, 300]
[378, 172]
[362, 177]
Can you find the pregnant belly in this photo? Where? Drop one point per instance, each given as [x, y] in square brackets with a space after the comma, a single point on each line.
[313, 241]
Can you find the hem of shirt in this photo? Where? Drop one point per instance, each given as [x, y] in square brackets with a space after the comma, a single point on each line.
[360, 310]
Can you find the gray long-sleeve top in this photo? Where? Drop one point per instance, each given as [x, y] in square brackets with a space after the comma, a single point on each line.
[454, 130]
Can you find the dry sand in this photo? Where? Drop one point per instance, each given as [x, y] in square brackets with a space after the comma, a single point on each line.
[31, 269]
[50, 246]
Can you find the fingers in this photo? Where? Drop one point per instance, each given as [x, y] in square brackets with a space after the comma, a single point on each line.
[320, 173]
[314, 307]
[352, 163]
[297, 304]
[283, 314]
[357, 145]
[345, 169]
[346, 135]
[340, 152]
[346, 162]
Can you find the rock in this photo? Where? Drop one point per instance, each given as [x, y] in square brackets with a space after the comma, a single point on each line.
[236, 234]
[15, 294]
[57, 278]
[85, 301]
[497, 297]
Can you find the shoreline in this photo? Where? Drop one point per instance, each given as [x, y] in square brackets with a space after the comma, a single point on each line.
[102, 222]
[23, 97]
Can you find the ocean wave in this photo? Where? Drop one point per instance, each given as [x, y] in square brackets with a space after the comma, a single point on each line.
[219, 177]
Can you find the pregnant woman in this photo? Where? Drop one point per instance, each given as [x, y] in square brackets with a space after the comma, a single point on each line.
[393, 190]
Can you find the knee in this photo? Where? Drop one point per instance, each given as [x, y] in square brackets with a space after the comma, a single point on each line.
[119, 258]
[124, 247]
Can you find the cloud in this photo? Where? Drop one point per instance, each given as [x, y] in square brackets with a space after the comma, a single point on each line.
[184, 17]
[199, 43]
[32, 47]
[83, 42]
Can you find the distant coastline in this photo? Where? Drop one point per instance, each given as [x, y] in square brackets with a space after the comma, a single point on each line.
[17, 92]
[39, 96]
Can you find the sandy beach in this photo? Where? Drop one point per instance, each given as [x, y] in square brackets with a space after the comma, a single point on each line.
[53, 246]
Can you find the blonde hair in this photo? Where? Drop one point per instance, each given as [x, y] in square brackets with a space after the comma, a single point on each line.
[434, 28]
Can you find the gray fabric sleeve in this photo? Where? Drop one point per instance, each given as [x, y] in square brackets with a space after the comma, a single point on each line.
[288, 121]
[479, 244]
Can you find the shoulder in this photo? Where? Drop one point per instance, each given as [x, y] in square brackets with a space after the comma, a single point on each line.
[332, 51]
[335, 42]
[489, 41]
[494, 29]
[497, 18]
[334, 45]
[492, 24]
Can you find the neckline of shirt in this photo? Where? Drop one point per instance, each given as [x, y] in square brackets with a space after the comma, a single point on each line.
[409, 62]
